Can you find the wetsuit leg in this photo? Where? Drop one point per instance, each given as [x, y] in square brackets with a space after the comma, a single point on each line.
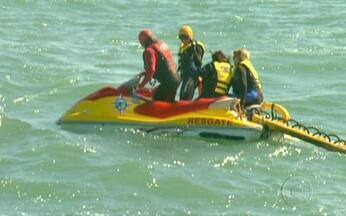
[187, 89]
[182, 89]
[165, 93]
[167, 88]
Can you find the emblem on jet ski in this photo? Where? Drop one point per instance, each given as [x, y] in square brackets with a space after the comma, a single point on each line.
[121, 104]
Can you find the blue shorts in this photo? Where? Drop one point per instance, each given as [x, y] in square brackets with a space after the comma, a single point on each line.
[251, 97]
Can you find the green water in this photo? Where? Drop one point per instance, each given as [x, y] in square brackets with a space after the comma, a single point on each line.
[55, 52]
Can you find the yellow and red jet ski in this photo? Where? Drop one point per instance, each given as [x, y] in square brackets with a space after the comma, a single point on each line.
[209, 117]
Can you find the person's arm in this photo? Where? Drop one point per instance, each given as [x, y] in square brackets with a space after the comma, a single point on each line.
[201, 71]
[243, 89]
[150, 66]
[198, 53]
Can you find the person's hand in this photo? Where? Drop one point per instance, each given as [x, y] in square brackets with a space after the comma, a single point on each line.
[141, 73]
[136, 87]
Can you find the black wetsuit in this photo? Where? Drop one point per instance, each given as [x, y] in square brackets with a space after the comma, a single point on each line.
[245, 87]
[189, 79]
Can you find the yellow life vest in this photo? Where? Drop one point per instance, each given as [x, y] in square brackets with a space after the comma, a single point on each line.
[253, 71]
[183, 47]
[224, 77]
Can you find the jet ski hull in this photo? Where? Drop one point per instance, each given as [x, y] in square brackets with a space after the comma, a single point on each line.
[215, 118]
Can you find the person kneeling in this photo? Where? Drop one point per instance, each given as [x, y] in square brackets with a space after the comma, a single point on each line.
[217, 76]
[246, 84]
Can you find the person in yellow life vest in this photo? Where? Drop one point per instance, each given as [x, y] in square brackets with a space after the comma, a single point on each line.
[246, 84]
[190, 51]
[217, 76]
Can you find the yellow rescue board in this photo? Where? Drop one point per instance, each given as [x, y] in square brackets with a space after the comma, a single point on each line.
[281, 125]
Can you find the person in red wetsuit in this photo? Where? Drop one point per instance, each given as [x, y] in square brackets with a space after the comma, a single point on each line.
[159, 65]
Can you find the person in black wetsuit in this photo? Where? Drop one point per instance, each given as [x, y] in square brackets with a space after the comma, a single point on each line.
[216, 75]
[190, 51]
[159, 65]
[246, 84]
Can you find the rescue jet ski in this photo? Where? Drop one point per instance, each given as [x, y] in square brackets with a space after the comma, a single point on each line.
[207, 117]
[124, 107]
